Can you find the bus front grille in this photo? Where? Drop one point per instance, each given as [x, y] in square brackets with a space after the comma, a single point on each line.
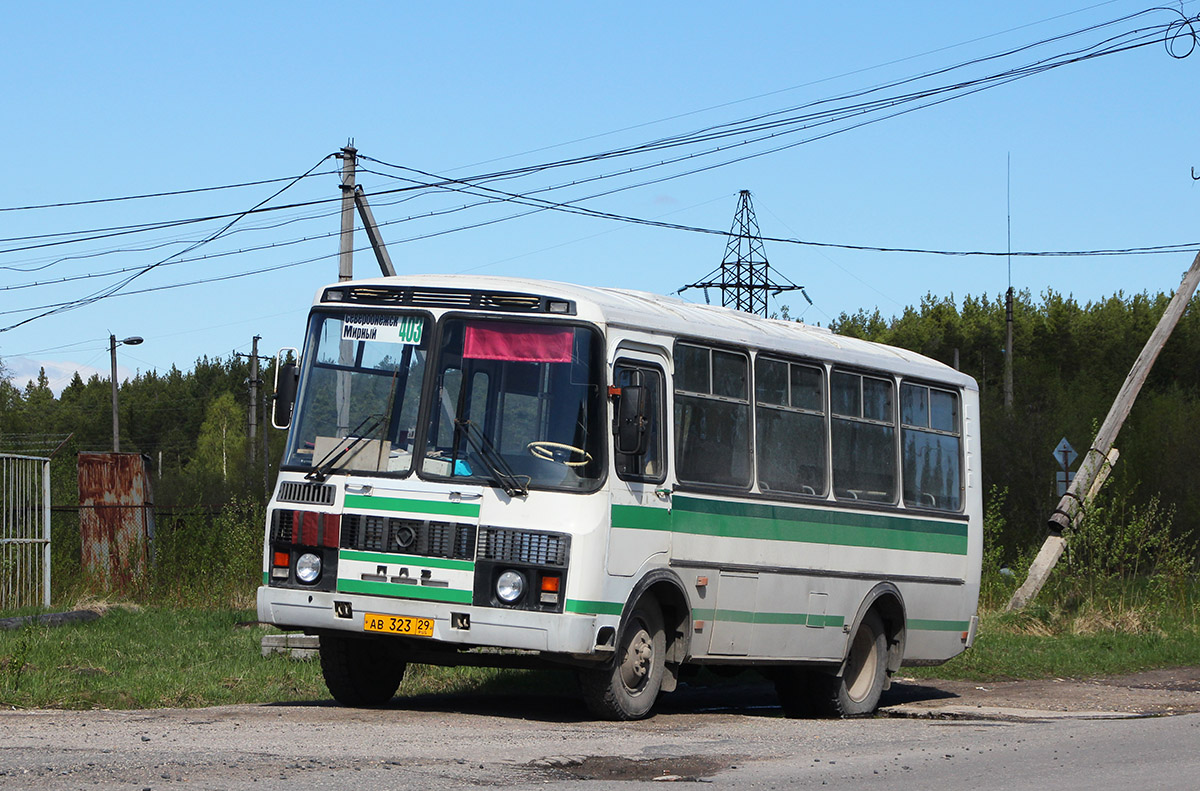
[426, 538]
[310, 493]
[523, 546]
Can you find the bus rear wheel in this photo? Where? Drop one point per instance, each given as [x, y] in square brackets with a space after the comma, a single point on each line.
[360, 672]
[853, 693]
[626, 688]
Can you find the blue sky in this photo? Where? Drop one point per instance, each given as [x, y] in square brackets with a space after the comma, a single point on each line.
[121, 99]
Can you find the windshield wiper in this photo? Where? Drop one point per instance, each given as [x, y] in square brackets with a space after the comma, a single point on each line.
[509, 481]
[325, 466]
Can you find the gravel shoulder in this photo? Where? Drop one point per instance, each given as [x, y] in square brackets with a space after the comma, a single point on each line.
[954, 733]
[1149, 693]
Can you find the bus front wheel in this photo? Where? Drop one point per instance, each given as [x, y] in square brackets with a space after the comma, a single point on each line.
[360, 671]
[627, 688]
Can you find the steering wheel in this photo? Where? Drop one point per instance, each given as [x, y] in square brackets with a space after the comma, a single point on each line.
[562, 453]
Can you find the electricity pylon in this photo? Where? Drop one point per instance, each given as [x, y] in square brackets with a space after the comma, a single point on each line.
[745, 274]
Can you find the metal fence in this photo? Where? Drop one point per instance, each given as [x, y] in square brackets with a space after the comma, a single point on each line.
[24, 532]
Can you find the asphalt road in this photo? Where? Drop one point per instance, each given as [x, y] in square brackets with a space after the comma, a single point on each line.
[732, 739]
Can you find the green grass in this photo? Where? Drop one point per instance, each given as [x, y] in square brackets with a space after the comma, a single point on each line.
[148, 658]
[1017, 646]
[157, 656]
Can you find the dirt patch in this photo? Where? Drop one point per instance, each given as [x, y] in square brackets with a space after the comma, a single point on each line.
[681, 768]
[1149, 693]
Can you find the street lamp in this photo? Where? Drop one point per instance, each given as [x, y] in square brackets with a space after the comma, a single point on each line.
[113, 343]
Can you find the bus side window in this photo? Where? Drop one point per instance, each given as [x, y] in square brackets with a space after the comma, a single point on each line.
[712, 416]
[931, 447]
[863, 437]
[650, 466]
[790, 430]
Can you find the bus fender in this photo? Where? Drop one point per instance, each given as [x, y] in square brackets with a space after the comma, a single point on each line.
[666, 587]
[886, 599]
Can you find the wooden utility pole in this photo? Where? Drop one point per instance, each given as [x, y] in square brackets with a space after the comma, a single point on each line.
[266, 444]
[1008, 350]
[372, 229]
[257, 391]
[1008, 298]
[1055, 543]
[254, 396]
[1097, 461]
[349, 157]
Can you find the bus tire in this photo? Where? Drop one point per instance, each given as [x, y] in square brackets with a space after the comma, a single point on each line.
[856, 692]
[626, 688]
[360, 672]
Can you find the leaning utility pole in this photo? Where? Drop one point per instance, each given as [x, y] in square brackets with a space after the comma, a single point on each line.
[372, 229]
[353, 198]
[1098, 459]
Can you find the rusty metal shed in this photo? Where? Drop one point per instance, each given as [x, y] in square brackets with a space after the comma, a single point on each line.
[116, 517]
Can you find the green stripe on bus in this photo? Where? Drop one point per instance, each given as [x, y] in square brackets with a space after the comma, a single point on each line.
[829, 516]
[415, 560]
[734, 519]
[641, 518]
[398, 591]
[410, 506]
[586, 607]
[929, 625]
[735, 616]
[770, 618]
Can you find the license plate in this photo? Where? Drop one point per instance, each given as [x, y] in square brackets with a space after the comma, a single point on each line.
[398, 624]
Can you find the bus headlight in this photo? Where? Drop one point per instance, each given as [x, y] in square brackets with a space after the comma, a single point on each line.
[308, 567]
[510, 585]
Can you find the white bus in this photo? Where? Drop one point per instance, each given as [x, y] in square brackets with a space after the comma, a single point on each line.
[509, 472]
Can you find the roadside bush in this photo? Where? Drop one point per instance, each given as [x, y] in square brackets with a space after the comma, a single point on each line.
[205, 557]
[1003, 569]
[1124, 553]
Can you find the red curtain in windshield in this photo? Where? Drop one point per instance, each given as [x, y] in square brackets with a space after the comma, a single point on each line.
[526, 343]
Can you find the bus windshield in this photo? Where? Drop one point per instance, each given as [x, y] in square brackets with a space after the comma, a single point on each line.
[518, 404]
[360, 387]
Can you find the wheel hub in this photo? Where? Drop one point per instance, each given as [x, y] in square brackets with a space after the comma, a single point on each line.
[638, 660]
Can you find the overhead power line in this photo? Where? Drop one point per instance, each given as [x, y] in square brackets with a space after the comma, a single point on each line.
[111, 290]
[766, 126]
[837, 114]
[540, 204]
[171, 193]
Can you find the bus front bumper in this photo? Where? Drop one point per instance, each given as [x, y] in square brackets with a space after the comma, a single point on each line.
[556, 633]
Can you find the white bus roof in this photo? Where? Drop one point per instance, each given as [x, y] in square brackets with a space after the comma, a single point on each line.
[656, 313]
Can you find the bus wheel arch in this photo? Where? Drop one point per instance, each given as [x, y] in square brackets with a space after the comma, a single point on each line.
[652, 642]
[887, 603]
[667, 590]
[873, 652]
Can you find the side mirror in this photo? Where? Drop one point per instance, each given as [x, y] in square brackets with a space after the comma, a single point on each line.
[287, 378]
[632, 437]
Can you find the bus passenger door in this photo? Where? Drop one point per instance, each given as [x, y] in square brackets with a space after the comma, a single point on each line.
[641, 491]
